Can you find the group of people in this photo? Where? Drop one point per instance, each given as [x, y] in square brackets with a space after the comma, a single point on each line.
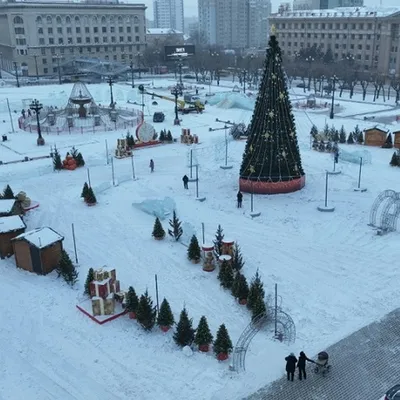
[292, 362]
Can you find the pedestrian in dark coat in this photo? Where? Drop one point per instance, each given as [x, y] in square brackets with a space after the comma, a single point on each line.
[291, 362]
[151, 165]
[185, 182]
[239, 199]
[301, 364]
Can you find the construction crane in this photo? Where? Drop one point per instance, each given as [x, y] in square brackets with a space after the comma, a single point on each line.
[196, 106]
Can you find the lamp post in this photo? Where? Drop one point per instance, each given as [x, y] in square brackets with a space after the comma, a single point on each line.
[110, 83]
[132, 77]
[176, 92]
[36, 67]
[36, 106]
[1, 63]
[334, 79]
[157, 56]
[244, 72]
[16, 72]
[310, 60]
[58, 57]
[139, 56]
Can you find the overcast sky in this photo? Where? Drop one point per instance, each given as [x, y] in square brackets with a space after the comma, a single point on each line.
[191, 6]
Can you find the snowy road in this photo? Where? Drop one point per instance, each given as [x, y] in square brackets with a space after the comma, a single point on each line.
[364, 366]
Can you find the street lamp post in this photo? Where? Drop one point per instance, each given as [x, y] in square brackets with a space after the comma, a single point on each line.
[59, 69]
[244, 80]
[16, 72]
[176, 92]
[110, 83]
[36, 67]
[139, 55]
[132, 77]
[36, 106]
[334, 78]
[310, 60]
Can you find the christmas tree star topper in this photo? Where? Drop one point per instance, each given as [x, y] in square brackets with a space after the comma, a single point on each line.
[273, 30]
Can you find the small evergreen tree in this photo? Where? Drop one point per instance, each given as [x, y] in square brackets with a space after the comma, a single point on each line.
[176, 231]
[90, 196]
[184, 334]
[85, 190]
[222, 343]
[358, 135]
[342, 135]
[169, 136]
[158, 230]
[146, 312]
[321, 146]
[203, 334]
[326, 132]
[132, 301]
[57, 163]
[162, 136]
[89, 278]
[350, 139]
[328, 146]
[315, 144]
[130, 141]
[194, 253]
[8, 193]
[219, 236]
[80, 162]
[73, 153]
[66, 269]
[237, 261]
[314, 132]
[336, 136]
[258, 308]
[389, 142]
[332, 131]
[225, 275]
[395, 161]
[240, 288]
[256, 290]
[165, 317]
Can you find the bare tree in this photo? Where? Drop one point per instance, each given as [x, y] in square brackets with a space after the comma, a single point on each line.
[395, 84]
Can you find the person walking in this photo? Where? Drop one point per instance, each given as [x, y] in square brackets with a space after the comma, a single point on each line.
[291, 362]
[151, 165]
[301, 364]
[239, 199]
[185, 180]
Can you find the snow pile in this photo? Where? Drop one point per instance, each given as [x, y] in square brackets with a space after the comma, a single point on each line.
[232, 100]
[158, 208]
[354, 156]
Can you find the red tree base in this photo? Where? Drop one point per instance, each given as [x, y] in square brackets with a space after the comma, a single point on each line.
[165, 328]
[204, 348]
[222, 356]
[91, 204]
[132, 315]
[243, 302]
[261, 187]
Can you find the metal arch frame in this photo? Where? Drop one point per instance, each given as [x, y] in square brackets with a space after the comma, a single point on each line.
[243, 343]
[389, 216]
[382, 197]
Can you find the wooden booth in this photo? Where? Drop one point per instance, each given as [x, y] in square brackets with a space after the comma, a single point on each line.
[375, 137]
[10, 207]
[38, 251]
[396, 141]
[10, 227]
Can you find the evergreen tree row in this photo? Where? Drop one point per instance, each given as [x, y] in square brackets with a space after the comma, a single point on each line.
[165, 136]
[67, 269]
[7, 194]
[88, 195]
[74, 153]
[395, 161]
[175, 230]
[332, 135]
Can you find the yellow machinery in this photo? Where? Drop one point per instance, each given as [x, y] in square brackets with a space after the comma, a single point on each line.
[195, 106]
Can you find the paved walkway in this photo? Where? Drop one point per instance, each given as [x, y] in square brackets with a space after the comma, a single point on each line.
[364, 366]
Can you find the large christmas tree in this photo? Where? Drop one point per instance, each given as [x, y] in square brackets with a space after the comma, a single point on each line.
[271, 160]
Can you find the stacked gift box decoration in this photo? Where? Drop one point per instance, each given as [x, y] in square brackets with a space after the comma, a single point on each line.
[102, 290]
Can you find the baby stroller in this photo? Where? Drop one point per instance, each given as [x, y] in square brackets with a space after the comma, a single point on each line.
[322, 365]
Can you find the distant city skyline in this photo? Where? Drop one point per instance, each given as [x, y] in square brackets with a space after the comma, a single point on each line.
[190, 6]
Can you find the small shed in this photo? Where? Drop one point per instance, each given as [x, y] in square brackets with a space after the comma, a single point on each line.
[39, 250]
[375, 137]
[10, 227]
[396, 141]
[10, 207]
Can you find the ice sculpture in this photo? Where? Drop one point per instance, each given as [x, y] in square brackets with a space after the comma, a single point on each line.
[354, 157]
[157, 207]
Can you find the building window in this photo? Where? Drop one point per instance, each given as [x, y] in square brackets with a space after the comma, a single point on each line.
[79, 40]
[360, 37]
[43, 51]
[121, 39]
[18, 20]
[88, 40]
[113, 39]
[104, 39]
[70, 41]
[77, 20]
[94, 19]
[367, 57]
[69, 30]
[62, 50]
[352, 46]
[59, 31]
[45, 70]
[97, 49]
[136, 20]
[41, 41]
[78, 29]
[21, 42]
[104, 29]
[112, 29]
[39, 20]
[44, 61]
[60, 41]
[50, 31]
[121, 29]
[105, 49]
[58, 20]
[68, 20]
[55, 69]
[129, 39]
[80, 50]
[128, 29]
[337, 36]
[53, 51]
[368, 37]
[19, 31]
[344, 46]
[360, 26]
[95, 29]
[337, 26]
[103, 20]
[89, 49]
[137, 38]
[71, 50]
[96, 39]
[138, 47]
[344, 26]
[51, 41]
[87, 29]
[120, 20]
[49, 20]
[368, 47]
[359, 47]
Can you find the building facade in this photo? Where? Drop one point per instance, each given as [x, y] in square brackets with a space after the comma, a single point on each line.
[235, 23]
[40, 36]
[168, 14]
[371, 36]
[325, 4]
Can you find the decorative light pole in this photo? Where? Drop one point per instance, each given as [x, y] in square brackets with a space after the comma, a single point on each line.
[334, 79]
[36, 67]
[16, 72]
[132, 77]
[310, 60]
[176, 92]
[36, 106]
[59, 68]
[110, 83]
[139, 56]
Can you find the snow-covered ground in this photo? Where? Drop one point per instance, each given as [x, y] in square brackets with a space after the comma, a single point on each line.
[334, 273]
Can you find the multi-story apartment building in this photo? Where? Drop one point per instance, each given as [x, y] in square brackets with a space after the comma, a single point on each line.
[325, 4]
[235, 23]
[168, 14]
[39, 35]
[371, 36]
